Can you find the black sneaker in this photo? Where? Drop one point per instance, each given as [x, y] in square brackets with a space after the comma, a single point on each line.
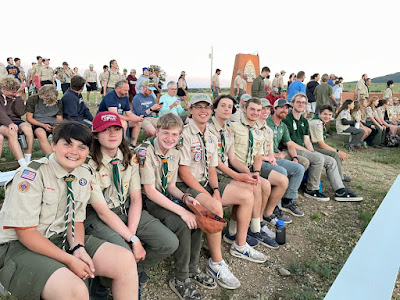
[316, 195]
[278, 213]
[264, 239]
[347, 195]
[203, 279]
[184, 290]
[292, 209]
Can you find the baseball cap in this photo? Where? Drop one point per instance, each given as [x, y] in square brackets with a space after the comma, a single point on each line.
[145, 68]
[149, 84]
[283, 90]
[183, 73]
[265, 102]
[65, 63]
[275, 90]
[283, 71]
[281, 102]
[245, 97]
[276, 74]
[33, 63]
[332, 75]
[91, 66]
[44, 59]
[104, 120]
[133, 70]
[125, 70]
[200, 98]
[218, 70]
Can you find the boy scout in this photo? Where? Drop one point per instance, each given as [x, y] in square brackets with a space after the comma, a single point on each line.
[103, 80]
[241, 179]
[43, 215]
[198, 177]
[113, 76]
[46, 73]
[91, 84]
[159, 161]
[64, 74]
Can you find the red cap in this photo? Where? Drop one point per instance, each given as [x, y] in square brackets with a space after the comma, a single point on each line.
[104, 120]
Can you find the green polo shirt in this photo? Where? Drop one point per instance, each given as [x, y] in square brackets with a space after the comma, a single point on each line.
[281, 133]
[297, 128]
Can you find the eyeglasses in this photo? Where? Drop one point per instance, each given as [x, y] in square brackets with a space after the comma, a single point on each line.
[173, 89]
[201, 106]
[301, 102]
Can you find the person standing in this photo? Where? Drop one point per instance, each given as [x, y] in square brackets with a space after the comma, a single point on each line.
[258, 86]
[389, 90]
[182, 88]
[297, 86]
[238, 85]
[91, 84]
[21, 78]
[64, 75]
[324, 93]
[360, 86]
[12, 69]
[132, 80]
[103, 80]
[113, 76]
[30, 80]
[46, 73]
[310, 88]
[275, 81]
[215, 85]
[281, 78]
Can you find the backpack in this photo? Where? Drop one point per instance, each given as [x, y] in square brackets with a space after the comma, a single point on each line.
[392, 140]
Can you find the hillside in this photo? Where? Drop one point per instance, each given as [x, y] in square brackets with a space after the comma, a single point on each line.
[383, 79]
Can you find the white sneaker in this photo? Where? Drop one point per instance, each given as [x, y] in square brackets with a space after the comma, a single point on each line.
[248, 253]
[222, 275]
[268, 232]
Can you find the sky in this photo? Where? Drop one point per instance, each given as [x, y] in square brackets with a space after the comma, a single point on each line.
[347, 38]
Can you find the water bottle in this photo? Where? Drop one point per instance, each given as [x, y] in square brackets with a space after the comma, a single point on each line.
[22, 140]
[280, 231]
[357, 125]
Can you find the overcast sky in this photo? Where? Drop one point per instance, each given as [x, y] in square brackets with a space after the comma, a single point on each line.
[347, 38]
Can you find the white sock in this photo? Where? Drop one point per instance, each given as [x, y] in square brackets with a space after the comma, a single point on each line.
[22, 162]
[215, 263]
[27, 157]
[255, 225]
[240, 248]
[232, 227]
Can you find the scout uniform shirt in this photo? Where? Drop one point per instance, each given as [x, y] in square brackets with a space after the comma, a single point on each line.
[269, 137]
[317, 130]
[197, 151]
[297, 128]
[103, 186]
[37, 197]
[388, 93]
[390, 111]
[344, 114]
[215, 78]
[112, 79]
[151, 161]
[65, 74]
[281, 133]
[36, 69]
[225, 140]
[46, 73]
[103, 76]
[364, 94]
[238, 81]
[90, 76]
[249, 141]
[380, 112]
[370, 112]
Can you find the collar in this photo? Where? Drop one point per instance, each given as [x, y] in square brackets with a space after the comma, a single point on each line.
[194, 129]
[260, 125]
[106, 159]
[216, 124]
[244, 121]
[59, 171]
[157, 149]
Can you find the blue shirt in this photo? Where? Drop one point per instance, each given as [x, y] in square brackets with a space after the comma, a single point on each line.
[74, 107]
[141, 103]
[168, 101]
[111, 99]
[294, 88]
[331, 83]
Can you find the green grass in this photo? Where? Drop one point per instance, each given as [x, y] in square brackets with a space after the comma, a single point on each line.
[316, 217]
[373, 88]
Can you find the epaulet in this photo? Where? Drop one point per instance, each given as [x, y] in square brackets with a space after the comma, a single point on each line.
[87, 159]
[35, 165]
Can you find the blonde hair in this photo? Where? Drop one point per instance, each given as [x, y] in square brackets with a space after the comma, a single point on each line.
[170, 121]
[49, 94]
[325, 78]
[10, 83]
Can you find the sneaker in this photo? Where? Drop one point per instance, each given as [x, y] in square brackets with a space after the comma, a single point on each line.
[264, 239]
[224, 277]
[184, 290]
[88, 104]
[365, 145]
[278, 213]
[347, 195]
[292, 209]
[268, 231]
[248, 253]
[231, 238]
[346, 178]
[203, 279]
[97, 104]
[350, 147]
[316, 195]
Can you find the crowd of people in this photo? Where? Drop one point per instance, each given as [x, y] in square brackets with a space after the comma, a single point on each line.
[101, 206]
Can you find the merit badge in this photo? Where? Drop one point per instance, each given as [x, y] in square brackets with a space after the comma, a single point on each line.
[82, 181]
[180, 143]
[30, 175]
[268, 131]
[169, 176]
[344, 113]
[135, 160]
[257, 132]
[227, 135]
[171, 158]
[197, 156]
[23, 186]
[258, 144]
[142, 161]
[210, 140]
[318, 125]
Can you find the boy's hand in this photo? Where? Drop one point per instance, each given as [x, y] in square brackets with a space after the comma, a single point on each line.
[80, 268]
[138, 251]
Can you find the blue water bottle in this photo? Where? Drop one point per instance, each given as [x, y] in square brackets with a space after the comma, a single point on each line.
[280, 231]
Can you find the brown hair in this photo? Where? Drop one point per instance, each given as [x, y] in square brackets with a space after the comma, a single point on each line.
[253, 100]
[371, 100]
[170, 121]
[10, 83]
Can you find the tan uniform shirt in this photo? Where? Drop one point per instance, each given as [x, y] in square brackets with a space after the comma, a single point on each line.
[37, 197]
[388, 93]
[229, 147]
[182, 83]
[102, 77]
[30, 73]
[46, 73]
[215, 78]
[36, 69]
[103, 187]
[192, 152]
[281, 84]
[344, 114]
[3, 71]
[275, 82]
[357, 116]
[363, 114]
[241, 137]
[22, 72]
[112, 78]
[380, 112]
[390, 112]
[269, 137]
[244, 85]
[364, 94]
[151, 164]
[237, 116]
[90, 76]
[65, 74]
[238, 81]
[370, 112]
[316, 130]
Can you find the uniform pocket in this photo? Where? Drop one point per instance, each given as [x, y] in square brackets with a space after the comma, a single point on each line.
[50, 205]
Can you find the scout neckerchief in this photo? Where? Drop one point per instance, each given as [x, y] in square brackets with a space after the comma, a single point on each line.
[118, 184]
[250, 145]
[316, 117]
[70, 199]
[202, 136]
[223, 143]
[164, 173]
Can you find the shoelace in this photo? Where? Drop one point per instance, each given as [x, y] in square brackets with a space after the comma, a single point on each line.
[70, 200]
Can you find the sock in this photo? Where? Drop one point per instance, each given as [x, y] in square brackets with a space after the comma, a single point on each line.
[22, 162]
[240, 248]
[232, 227]
[215, 263]
[255, 225]
[286, 201]
[27, 157]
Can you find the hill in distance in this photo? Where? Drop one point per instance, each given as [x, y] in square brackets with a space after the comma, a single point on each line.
[383, 79]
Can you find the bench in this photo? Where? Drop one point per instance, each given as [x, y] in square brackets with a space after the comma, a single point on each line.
[345, 134]
[371, 270]
[351, 95]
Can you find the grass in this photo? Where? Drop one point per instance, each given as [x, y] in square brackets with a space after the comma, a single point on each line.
[373, 88]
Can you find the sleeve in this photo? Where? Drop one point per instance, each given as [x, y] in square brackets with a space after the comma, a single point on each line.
[126, 106]
[138, 86]
[147, 172]
[306, 128]
[347, 122]
[137, 107]
[96, 194]
[19, 106]
[184, 151]
[134, 183]
[85, 75]
[330, 90]
[369, 112]
[86, 113]
[60, 108]
[71, 109]
[214, 156]
[165, 108]
[30, 104]
[180, 109]
[285, 136]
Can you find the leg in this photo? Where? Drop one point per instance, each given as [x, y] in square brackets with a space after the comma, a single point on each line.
[27, 130]
[295, 173]
[12, 141]
[87, 96]
[357, 135]
[135, 131]
[1, 144]
[43, 142]
[279, 185]
[333, 173]
[314, 172]
[149, 131]
[334, 155]
[95, 96]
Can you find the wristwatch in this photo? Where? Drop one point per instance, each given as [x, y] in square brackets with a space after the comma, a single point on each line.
[134, 239]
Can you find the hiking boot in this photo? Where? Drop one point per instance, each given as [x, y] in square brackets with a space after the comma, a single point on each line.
[278, 213]
[264, 239]
[221, 273]
[184, 290]
[316, 195]
[203, 279]
[231, 238]
[292, 209]
[248, 253]
[347, 195]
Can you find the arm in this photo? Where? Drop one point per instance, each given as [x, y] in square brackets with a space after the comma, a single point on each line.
[135, 210]
[333, 99]
[30, 119]
[243, 177]
[213, 182]
[19, 106]
[308, 144]
[292, 150]
[348, 122]
[190, 181]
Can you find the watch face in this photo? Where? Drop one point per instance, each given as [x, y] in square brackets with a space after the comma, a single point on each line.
[134, 238]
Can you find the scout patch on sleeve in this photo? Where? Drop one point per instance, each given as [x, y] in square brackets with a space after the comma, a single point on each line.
[136, 160]
[82, 181]
[23, 186]
[27, 174]
[141, 156]
[180, 143]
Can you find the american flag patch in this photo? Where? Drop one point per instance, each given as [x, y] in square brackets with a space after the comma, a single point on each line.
[30, 175]
[142, 152]
[318, 125]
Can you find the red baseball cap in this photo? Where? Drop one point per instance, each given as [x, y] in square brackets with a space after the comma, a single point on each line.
[104, 120]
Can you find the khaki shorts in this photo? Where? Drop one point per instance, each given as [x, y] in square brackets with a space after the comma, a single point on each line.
[24, 273]
[149, 120]
[184, 188]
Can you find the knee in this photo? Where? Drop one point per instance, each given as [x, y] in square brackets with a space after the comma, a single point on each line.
[170, 245]
[361, 131]
[329, 162]
[247, 197]
[78, 290]
[318, 158]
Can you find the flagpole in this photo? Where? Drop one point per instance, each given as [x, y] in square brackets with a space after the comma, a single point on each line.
[211, 74]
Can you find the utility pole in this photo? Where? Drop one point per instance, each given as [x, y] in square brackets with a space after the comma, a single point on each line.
[211, 56]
